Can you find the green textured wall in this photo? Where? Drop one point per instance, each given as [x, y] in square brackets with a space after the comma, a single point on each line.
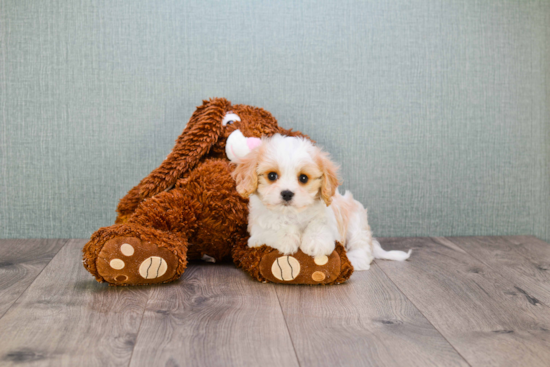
[438, 111]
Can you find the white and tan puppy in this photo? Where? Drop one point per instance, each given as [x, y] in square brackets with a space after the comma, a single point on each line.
[294, 203]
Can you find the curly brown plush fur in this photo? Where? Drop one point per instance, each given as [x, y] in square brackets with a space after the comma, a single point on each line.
[186, 208]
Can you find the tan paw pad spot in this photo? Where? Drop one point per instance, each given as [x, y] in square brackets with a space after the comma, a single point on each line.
[153, 267]
[117, 264]
[321, 260]
[121, 278]
[318, 276]
[127, 249]
[285, 268]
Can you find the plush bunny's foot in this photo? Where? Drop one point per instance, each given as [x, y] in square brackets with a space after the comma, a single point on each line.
[300, 268]
[128, 260]
[267, 264]
[133, 257]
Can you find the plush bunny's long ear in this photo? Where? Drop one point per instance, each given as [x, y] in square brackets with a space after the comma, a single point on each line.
[202, 131]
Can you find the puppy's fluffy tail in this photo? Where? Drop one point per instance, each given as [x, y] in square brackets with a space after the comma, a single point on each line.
[380, 253]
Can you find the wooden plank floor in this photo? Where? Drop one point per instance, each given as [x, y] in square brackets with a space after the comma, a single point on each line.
[478, 301]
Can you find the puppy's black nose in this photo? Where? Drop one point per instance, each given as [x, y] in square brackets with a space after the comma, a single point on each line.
[287, 195]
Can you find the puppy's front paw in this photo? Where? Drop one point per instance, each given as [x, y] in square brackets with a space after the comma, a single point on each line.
[289, 244]
[318, 245]
[254, 241]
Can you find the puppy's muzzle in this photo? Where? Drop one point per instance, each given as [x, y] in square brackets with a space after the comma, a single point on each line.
[287, 195]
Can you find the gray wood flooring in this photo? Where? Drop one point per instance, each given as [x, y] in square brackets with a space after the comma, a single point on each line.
[478, 301]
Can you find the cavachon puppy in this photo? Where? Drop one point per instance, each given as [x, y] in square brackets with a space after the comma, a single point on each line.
[294, 203]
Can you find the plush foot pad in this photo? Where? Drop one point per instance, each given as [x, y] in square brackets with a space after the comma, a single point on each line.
[300, 268]
[128, 260]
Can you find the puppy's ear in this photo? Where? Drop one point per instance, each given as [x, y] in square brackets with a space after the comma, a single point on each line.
[329, 181]
[245, 175]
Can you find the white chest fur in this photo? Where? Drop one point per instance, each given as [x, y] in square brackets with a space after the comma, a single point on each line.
[283, 228]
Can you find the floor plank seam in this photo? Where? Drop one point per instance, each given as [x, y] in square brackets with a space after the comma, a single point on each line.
[287, 329]
[36, 277]
[505, 277]
[422, 313]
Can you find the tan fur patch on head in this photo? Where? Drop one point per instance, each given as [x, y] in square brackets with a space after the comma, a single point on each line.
[264, 170]
[267, 164]
[315, 177]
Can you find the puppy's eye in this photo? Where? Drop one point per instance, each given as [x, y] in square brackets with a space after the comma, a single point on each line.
[272, 176]
[303, 179]
[230, 118]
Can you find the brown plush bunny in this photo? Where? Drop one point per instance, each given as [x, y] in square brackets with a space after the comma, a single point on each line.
[188, 208]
